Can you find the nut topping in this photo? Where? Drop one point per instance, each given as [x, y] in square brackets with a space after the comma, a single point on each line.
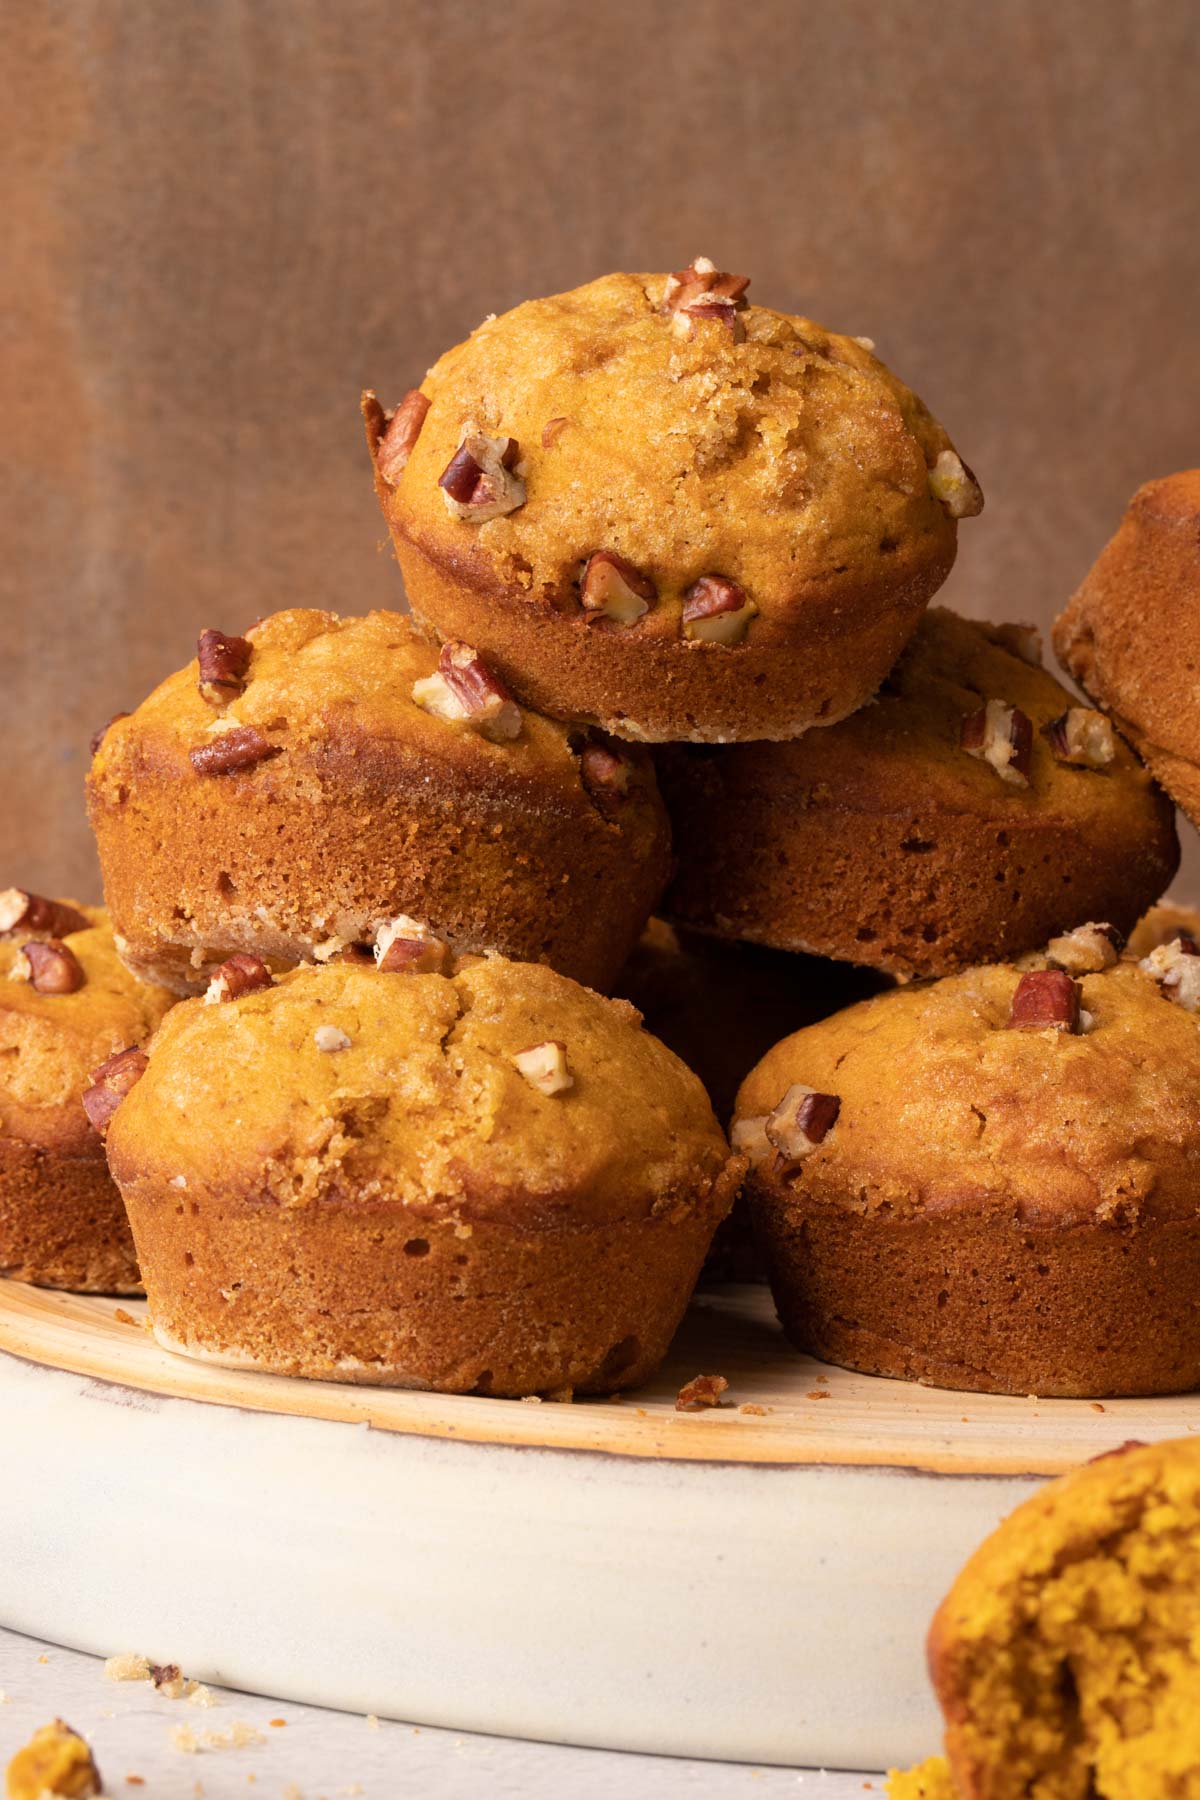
[110, 1084]
[1175, 965]
[101, 732]
[1002, 736]
[479, 482]
[1086, 950]
[749, 1136]
[223, 663]
[1024, 641]
[404, 428]
[331, 1038]
[240, 748]
[801, 1121]
[1083, 737]
[464, 690]
[237, 975]
[49, 967]
[952, 483]
[612, 588]
[605, 773]
[1045, 1000]
[405, 946]
[716, 611]
[552, 430]
[702, 279]
[544, 1067]
[23, 911]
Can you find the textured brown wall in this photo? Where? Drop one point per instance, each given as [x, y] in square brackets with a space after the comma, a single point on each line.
[228, 215]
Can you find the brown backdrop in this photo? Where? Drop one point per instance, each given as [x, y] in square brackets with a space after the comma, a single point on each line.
[225, 216]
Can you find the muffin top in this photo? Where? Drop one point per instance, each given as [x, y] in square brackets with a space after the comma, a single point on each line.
[345, 1085]
[691, 435]
[307, 680]
[906, 750]
[58, 1022]
[1131, 633]
[944, 1107]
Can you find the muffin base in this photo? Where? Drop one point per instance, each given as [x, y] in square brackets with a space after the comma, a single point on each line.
[63, 1224]
[646, 683]
[360, 1294]
[912, 893]
[987, 1304]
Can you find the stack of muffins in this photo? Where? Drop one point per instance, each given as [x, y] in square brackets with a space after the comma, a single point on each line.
[368, 1111]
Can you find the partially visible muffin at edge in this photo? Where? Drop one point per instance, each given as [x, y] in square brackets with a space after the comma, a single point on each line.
[66, 1005]
[670, 512]
[989, 1181]
[1130, 636]
[493, 1181]
[332, 774]
[970, 812]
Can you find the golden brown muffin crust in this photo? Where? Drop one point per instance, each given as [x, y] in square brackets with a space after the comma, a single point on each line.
[882, 842]
[367, 806]
[425, 1109]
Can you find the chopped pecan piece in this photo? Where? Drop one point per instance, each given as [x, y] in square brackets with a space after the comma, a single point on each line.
[230, 751]
[480, 480]
[331, 1038]
[605, 773]
[223, 662]
[1045, 1000]
[49, 967]
[802, 1120]
[1081, 736]
[237, 975]
[1001, 736]
[1175, 965]
[1024, 641]
[717, 611]
[699, 1392]
[404, 428]
[23, 911]
[552, 430]
[544, 1067]
[1086, 950]
[101, 732]
[612, 588]
[952, 483]
[405, 946]
[465, 690]
[749, 1136]
[110, 1084]
[701, 279]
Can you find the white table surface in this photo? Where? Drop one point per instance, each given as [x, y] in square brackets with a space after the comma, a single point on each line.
[320, 1755]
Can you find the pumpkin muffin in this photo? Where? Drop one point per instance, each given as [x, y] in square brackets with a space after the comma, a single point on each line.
[989, 1182]
[1065, 1657]
[967, 815]
[489, 1181]
[66, 1004]
[656, 507]
[1131, 635]
[290, 791]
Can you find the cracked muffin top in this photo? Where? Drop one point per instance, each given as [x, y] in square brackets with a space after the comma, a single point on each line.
[303, 678]
[500, 1092]
[1065, 1093]
[66, 1004]
[667, 422]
